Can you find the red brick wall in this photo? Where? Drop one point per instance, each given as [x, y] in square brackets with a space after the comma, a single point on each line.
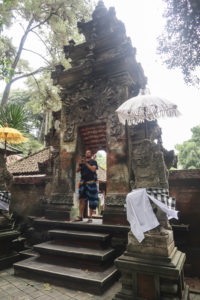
[185, 187]
[26, 196]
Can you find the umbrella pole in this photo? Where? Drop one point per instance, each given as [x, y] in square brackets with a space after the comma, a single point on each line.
[5, 144]
[145, 123]
[145, 128]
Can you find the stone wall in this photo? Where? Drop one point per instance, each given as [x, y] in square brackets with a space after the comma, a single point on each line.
[185, 186]
[27, 192]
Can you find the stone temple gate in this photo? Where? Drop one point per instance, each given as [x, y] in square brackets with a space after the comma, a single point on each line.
[103, 74]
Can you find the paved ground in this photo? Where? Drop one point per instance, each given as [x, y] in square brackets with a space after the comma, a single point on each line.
[16, 288]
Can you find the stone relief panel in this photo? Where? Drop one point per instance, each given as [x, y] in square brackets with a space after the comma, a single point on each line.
[148, 165]
[69, 132]
[115, 199]
[94, 99]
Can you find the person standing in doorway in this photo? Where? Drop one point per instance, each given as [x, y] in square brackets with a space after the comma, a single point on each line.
[87, 187]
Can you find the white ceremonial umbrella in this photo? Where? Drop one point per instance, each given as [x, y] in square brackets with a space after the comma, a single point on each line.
[145, 108]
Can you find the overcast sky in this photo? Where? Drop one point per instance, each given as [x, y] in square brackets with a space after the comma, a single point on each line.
[143, 21]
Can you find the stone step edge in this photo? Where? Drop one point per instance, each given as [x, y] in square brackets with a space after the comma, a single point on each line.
[20, 266]
[80, 234]
[75, 252]
[29, 253]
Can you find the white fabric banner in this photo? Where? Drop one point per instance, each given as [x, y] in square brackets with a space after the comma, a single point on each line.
[140, 213]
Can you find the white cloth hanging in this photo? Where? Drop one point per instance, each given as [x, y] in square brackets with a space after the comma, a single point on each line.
[140, 213]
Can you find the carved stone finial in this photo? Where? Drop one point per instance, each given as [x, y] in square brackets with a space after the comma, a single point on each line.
[100, 10]
[72, 43]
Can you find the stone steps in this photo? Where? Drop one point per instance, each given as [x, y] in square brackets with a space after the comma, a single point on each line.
[84, 238]
[82, 254]
[28, 253]
[81, 279]
[78, 255]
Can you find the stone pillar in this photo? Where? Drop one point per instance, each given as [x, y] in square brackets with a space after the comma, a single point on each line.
[60, 202]
[152, 269]
[117, 173]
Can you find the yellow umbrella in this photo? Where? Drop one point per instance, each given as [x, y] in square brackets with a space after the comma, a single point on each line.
[11, 136]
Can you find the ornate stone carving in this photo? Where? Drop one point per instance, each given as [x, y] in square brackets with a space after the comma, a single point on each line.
[61, 199]
[115, 127]
[115, 199]
[148, 165]
[96, 99]
[69, 132]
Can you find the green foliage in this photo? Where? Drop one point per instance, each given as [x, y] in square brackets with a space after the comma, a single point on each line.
[15, 116]
[19, 97]
[179, 44]
[31, 146]
[101, 159]
[189, 151]
[52, 22]
[43, 94]
[5, 69]
[6, 52]
[22, 98]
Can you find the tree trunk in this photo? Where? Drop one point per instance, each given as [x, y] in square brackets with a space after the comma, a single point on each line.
[41, 129]
[6, 92]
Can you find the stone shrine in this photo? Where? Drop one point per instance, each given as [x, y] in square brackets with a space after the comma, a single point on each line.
[104, 74]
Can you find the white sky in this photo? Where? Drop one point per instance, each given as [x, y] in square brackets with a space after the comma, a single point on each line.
[143, 21]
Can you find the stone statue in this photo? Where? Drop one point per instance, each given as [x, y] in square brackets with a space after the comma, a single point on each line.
[148, 165]
[150, 171]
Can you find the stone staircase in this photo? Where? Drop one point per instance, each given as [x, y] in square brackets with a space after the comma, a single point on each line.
[77, 255]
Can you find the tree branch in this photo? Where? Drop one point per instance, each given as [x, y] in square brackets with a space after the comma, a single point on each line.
[37, 83]
[42, 41]
[23, 39]
[36, 54]
[30, 74]
[45, 20]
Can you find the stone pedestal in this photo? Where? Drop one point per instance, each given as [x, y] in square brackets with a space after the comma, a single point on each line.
[115, 212]
[152, 270]
[59, 207]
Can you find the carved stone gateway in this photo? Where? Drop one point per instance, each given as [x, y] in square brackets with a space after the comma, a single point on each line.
[104, 74]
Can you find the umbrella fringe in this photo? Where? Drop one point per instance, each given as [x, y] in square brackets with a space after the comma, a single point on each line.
[149, 115]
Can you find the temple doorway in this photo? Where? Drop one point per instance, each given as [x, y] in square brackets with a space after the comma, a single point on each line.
[93, 137]
[101, 158]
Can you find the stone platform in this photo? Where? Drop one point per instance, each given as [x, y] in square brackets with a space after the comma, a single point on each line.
[76, 255]
[152, 270]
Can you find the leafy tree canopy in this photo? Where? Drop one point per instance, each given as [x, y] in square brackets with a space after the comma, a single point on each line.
[17, 117]
[179, 45]
[189, 151]
[52, 22]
